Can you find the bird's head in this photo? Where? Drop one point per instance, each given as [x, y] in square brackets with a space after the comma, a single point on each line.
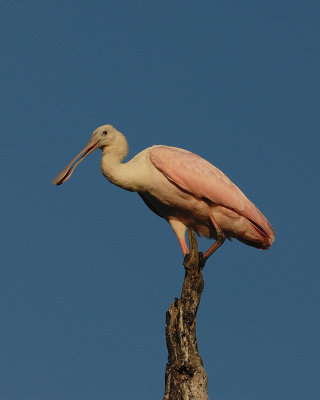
[107, 138]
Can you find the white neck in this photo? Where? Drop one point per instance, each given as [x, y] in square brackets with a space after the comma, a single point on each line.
[113, 169]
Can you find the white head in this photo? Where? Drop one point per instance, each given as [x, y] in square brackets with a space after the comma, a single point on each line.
[107, 138]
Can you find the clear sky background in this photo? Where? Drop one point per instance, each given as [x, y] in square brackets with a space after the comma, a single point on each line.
[87, 271]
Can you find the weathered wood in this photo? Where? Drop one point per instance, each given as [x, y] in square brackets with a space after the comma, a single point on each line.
[185, 377]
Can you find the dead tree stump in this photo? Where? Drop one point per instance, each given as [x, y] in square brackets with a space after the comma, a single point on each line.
[185, 377]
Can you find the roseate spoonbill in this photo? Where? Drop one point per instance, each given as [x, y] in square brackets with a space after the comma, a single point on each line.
[180, 187]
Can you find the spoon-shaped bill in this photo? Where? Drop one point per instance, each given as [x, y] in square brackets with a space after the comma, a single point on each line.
[65, 174]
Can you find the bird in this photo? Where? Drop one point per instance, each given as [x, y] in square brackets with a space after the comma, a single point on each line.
[182, 188]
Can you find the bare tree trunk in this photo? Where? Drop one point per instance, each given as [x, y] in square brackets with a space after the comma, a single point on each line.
[185, 376]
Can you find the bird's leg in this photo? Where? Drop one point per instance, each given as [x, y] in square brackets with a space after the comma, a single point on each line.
[183, 245]
[220, 238]
[180, 231]
[213, 248]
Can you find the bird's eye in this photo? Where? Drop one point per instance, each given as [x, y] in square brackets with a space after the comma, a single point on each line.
[105, 133]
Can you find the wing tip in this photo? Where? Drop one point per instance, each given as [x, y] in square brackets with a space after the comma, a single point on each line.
[267, 234]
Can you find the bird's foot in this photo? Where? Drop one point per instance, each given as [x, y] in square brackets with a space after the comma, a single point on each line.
[186, 259]
[201, 260]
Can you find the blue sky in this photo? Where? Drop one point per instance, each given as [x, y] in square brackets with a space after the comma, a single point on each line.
[87, 271]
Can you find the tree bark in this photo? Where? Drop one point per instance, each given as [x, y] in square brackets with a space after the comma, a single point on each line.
[185, 377]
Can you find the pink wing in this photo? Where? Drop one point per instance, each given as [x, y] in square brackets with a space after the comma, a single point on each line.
[196, 175]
